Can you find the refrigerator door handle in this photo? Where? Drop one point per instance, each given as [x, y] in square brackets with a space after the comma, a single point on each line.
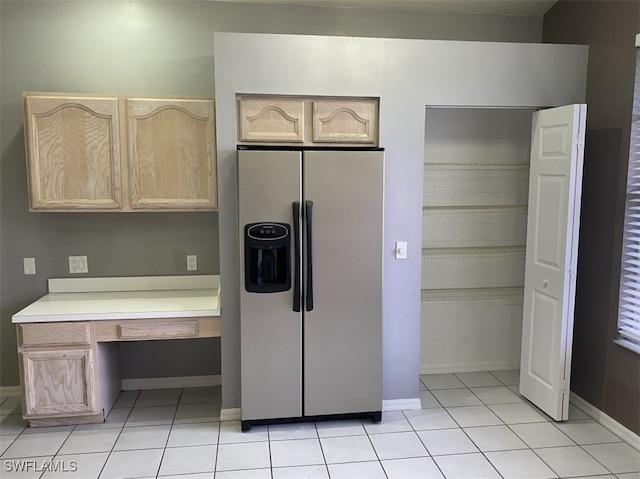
[296, 248]
[309, 218]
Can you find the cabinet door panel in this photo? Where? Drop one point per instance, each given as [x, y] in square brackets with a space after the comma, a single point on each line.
[59, 382]
[271, 120]
[73, 152]
[171, 154]
[345, 121]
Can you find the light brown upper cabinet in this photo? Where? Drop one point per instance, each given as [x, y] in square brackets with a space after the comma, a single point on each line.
[90, 153]
[307, 121]
[271, 119]
[171, 154]
[345, 121]
[73, 152]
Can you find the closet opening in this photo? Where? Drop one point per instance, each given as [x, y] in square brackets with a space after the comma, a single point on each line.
[474, 225]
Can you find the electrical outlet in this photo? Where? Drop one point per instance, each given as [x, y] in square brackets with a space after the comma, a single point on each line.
[78, 264]
[192, 262]
[29, 265]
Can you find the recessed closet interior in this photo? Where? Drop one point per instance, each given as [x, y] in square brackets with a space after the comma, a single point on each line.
[476, 172]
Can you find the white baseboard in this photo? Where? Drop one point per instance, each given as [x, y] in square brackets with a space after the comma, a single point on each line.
[10, 390]
[401, 404]
[171, 382]
[230, 414]
[611, 424]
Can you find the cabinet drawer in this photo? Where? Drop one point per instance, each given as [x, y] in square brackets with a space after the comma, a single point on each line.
[147, 329]
[158, 329]
[150, 329]
[52, 334]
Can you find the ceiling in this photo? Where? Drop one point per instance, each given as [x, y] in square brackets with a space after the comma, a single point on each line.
[500, 7]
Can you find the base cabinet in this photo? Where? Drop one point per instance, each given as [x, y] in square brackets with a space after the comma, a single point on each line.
[58, 369]
[70, 370]
[59, 382]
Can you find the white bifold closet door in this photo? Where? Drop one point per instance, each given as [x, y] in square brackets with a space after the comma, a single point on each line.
[555, 188]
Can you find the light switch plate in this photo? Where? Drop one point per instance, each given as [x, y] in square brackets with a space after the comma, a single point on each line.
[401, 250]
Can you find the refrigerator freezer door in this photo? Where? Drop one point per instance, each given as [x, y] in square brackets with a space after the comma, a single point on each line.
[271, 332]
[343, 333]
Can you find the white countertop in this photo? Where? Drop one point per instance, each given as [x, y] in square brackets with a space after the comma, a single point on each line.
[143, 297]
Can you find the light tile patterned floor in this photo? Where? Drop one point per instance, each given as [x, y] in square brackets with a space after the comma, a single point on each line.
[472, 425]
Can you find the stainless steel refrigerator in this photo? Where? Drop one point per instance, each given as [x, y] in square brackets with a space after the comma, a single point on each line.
[311, 236]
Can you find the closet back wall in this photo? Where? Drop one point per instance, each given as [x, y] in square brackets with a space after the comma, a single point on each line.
[154, 48]
[476, 175]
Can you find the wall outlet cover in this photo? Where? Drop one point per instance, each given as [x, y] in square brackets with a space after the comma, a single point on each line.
[78, 264]
[29, 265]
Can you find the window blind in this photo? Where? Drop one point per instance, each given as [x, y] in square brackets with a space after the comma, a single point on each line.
[629, 309]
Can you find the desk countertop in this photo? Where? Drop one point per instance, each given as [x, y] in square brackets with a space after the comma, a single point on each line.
[177, 300]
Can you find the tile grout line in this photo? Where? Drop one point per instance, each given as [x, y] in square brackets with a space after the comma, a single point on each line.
[119, 434]
[269, 446]
[549, 465]
[596, 459]
[15, 438]
[173, 420]
[462, 429]
[24, 428]
[374, 449]
[420, 439]
[215, 461]
[324, 457]
[465, 433]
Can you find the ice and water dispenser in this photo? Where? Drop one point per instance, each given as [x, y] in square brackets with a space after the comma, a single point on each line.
[267, 257]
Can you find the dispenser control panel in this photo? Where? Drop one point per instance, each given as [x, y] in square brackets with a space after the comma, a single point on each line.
[267, 231]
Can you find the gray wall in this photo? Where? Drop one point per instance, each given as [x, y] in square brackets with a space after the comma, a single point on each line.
[407, 75]
[603, 373]
[147, 47]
